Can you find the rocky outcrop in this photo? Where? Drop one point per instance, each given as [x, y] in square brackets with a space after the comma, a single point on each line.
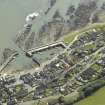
[103, 6]
[80, 17]
[52, 30]
[22, 36]
[30, 41]
[52, 2]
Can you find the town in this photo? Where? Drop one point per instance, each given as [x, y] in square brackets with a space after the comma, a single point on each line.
[81, 62]
[57, 56]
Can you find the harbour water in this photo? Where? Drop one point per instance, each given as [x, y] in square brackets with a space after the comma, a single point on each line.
[12, 19]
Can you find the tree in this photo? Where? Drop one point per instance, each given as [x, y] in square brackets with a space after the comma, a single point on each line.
[61, 99]
[88, 91]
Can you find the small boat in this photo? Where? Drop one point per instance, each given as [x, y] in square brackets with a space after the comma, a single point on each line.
[31, 16]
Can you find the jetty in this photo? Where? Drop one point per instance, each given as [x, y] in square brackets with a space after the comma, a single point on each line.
[35, 50]
[8, 61]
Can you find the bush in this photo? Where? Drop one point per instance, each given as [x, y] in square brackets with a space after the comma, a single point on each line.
[91, 88]
[61, 99]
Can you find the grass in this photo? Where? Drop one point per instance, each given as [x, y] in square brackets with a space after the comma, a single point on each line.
[89, 46]
[53, 99]
[71, 97]
[71, 36]
[43, 101]
[96, 67]
[97, 98]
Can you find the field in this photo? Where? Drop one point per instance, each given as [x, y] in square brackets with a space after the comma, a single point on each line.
[71, 36]
[96, 99]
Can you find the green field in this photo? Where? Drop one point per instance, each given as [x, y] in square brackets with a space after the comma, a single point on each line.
[71, 36]
[96, 99]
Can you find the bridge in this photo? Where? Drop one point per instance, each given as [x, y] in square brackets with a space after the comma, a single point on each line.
[34, 50]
